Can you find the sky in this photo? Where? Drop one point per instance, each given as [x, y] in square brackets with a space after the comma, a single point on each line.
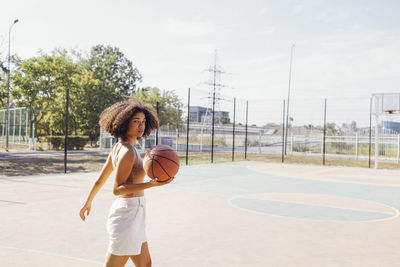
[344, 51]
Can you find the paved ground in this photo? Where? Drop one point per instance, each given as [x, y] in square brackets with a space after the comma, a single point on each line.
[231, 214]
[51, 153]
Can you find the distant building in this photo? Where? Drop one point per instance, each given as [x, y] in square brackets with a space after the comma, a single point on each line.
[391, 125]
[349, 127]
[197, 114]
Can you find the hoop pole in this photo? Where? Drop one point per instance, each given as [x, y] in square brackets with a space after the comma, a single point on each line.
[376, 134]
[398, 147]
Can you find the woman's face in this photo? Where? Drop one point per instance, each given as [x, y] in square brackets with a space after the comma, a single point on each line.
[137, 125]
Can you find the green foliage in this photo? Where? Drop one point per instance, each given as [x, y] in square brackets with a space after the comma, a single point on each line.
[339, 148]
[223, 120]
[40, 83]
[3, 84]
[170, 107]
[74, 142]
[54, 141]
[116, 73]
[331, 129]
[107, 77]
[95, 81]
[301, 148]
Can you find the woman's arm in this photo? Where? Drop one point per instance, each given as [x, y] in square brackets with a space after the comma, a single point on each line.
[104, 174]
[124, 189]
[122, 172]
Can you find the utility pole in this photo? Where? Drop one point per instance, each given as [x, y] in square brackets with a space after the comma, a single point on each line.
[288, 98]
[8, 87]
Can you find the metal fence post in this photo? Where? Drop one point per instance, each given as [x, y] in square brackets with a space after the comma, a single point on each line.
[177, 139]
[3, 125]
[157, 108]
[398, 147]
[356, 146]
[370, 132]
[26, 127]
[283, 133]
[20, 125]
[291, 143]
[187, 129]
[233, 129]
[323, 153]
[15, 110]
[66, 131]
[247, 117]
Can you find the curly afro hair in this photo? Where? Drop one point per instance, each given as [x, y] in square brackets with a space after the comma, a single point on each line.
[115, 119]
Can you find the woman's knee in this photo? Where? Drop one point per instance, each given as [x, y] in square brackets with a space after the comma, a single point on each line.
[142, 262]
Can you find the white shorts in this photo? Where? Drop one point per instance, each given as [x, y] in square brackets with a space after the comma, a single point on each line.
[126, 226]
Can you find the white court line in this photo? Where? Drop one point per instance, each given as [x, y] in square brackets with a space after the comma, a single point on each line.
[51, 254]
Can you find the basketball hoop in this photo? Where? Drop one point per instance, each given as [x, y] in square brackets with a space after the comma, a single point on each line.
[390, 111]
[386, 108]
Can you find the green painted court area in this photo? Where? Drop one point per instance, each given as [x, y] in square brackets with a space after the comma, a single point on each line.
[230, 214]
[312, 212]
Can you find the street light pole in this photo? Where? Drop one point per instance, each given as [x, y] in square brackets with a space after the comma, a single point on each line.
[8, 87]
[288, 98]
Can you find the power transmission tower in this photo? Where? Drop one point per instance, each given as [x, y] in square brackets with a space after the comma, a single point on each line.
[214, 94]
[214, 97]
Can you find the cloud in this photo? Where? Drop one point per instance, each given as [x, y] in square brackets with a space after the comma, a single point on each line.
[331, 16]
[268, 31]
[262, 11]
[259, 60]
[194, 27]
[298, 9]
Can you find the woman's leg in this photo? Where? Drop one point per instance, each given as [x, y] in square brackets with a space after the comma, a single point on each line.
[143, 259]
[115, 261]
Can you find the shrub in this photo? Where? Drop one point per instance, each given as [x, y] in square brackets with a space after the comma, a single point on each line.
[74, 142]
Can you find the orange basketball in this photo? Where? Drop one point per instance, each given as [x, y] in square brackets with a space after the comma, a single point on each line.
[161, 162]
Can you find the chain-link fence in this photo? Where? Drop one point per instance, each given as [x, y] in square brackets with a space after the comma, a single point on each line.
[336, 128]
[218, 128]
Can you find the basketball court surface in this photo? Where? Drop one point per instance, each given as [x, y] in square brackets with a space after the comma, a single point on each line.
[230, 214]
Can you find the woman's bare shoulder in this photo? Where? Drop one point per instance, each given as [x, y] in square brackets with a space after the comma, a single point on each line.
[126, 152]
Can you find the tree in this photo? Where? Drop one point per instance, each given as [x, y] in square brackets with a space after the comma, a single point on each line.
[332, 130]
[107, 77]
[65, 73]
[116, 73]
[40, 84]
[90, 103]
[222, 119]
[95, 81]
[170, 107]
[32, 85]
[3, 84]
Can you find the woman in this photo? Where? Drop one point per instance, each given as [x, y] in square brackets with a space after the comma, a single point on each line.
[128, 121]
